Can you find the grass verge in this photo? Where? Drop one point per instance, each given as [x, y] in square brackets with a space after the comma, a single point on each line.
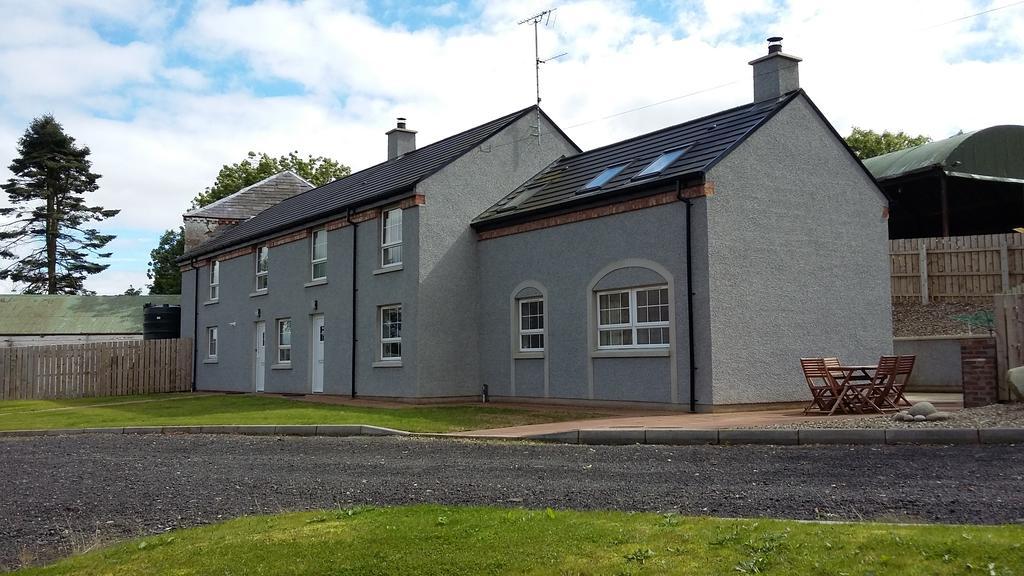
[192, 410]
[428, 540]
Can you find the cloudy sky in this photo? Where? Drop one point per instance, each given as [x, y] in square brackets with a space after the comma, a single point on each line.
[166, 92]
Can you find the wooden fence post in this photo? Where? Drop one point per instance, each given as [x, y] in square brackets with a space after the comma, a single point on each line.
[1004, 264]
[922, 264]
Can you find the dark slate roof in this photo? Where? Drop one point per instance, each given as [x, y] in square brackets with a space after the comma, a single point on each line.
[366, 186]
[707, 139]
[252, 200]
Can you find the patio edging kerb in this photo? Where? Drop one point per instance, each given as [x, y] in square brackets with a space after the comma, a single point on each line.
[600, 436]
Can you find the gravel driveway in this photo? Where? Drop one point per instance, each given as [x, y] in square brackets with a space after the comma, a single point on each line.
[62, 494]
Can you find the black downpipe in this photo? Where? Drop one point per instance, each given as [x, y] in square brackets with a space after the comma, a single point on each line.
[689, 296]
[355, 245]
[195, 322]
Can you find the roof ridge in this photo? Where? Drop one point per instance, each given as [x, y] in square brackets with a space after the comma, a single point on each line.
[389, 177]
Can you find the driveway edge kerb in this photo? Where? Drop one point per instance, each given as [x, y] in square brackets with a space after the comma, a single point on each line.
[597, 436]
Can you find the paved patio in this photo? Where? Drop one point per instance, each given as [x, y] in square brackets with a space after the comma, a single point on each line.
[633, 418]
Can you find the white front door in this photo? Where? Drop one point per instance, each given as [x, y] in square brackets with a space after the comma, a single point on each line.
[259, 366]
[318, 353]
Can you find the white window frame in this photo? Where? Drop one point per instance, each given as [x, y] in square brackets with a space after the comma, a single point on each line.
[214, 280]
[389, 242]
[384, 341]
[531, 331]
[212, 342]
[284, 347]
[264, 273]
[313, 260]
[633, 325]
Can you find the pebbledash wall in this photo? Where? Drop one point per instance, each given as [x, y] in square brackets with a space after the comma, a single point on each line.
[785, 265]
[567, 265]
[797, 232]
[435, 363]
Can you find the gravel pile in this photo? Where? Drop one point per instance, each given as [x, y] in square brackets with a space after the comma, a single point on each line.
[993, 416]
[934, 319]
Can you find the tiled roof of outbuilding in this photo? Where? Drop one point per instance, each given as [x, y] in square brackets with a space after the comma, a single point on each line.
[256, 198]
[375, 183]
[705, 140]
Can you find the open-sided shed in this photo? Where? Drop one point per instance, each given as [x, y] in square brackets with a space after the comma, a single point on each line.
[964, 185]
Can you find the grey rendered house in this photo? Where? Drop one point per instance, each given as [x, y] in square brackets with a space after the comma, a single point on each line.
[689, 267]
[366, 285]
[693, 265]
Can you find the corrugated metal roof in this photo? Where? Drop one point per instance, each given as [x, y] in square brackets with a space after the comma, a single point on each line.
[993, 153]
[706, 140]
[366, 186]
[252, 200]
[28, 314]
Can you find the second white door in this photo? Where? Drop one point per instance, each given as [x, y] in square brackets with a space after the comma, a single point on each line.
[259, 366]
[318, 353]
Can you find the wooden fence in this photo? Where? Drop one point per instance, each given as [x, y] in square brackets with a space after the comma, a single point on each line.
[96, 369]
[1009, 328]
[956, 268]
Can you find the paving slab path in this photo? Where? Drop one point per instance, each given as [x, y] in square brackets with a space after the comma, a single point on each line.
[59, 494]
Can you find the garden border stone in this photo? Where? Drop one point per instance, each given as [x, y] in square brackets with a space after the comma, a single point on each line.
[599, 436]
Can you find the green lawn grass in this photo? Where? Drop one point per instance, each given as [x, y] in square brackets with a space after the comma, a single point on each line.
[428, 540]
[191, 410]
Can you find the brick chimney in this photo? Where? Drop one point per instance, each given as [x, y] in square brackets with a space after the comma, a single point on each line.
[400, 140]
[775, 74]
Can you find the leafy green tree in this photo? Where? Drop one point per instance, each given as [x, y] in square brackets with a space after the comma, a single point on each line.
[47, 238]
[868, 143]
[163, 271]
[318, 170]
[132, 291]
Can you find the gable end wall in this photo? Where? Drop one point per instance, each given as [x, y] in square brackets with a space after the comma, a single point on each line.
[447, 310]
[798, 260]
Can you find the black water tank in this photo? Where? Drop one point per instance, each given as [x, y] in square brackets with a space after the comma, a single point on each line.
[161, 321]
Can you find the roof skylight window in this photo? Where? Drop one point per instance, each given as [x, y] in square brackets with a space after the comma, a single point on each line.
[603, 178]
[661, 162]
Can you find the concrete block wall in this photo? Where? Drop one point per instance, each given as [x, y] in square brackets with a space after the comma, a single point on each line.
[980, 374]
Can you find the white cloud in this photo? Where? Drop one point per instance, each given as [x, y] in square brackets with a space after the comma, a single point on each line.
[163, 109]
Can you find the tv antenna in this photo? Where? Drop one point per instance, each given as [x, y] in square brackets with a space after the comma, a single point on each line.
[536, 19]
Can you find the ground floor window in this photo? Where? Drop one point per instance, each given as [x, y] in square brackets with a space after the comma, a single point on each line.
[391, 332]
[633, 318]
[531, 325]
[211, 342]
[284, 341]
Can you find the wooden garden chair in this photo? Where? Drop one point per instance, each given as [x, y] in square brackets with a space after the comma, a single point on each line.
[904, 366]
[881, 389]
[823, 386]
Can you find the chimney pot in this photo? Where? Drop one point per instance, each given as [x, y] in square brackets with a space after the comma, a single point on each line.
[401, 122]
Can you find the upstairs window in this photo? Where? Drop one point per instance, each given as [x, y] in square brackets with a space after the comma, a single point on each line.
[531, 325]
[633, 318]
[391, 238]
[318, 254]
[262, 254]
[603, 178]
[214, 280]
[661, 162]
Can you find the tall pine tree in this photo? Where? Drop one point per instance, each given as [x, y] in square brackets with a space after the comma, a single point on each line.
[45, 230]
